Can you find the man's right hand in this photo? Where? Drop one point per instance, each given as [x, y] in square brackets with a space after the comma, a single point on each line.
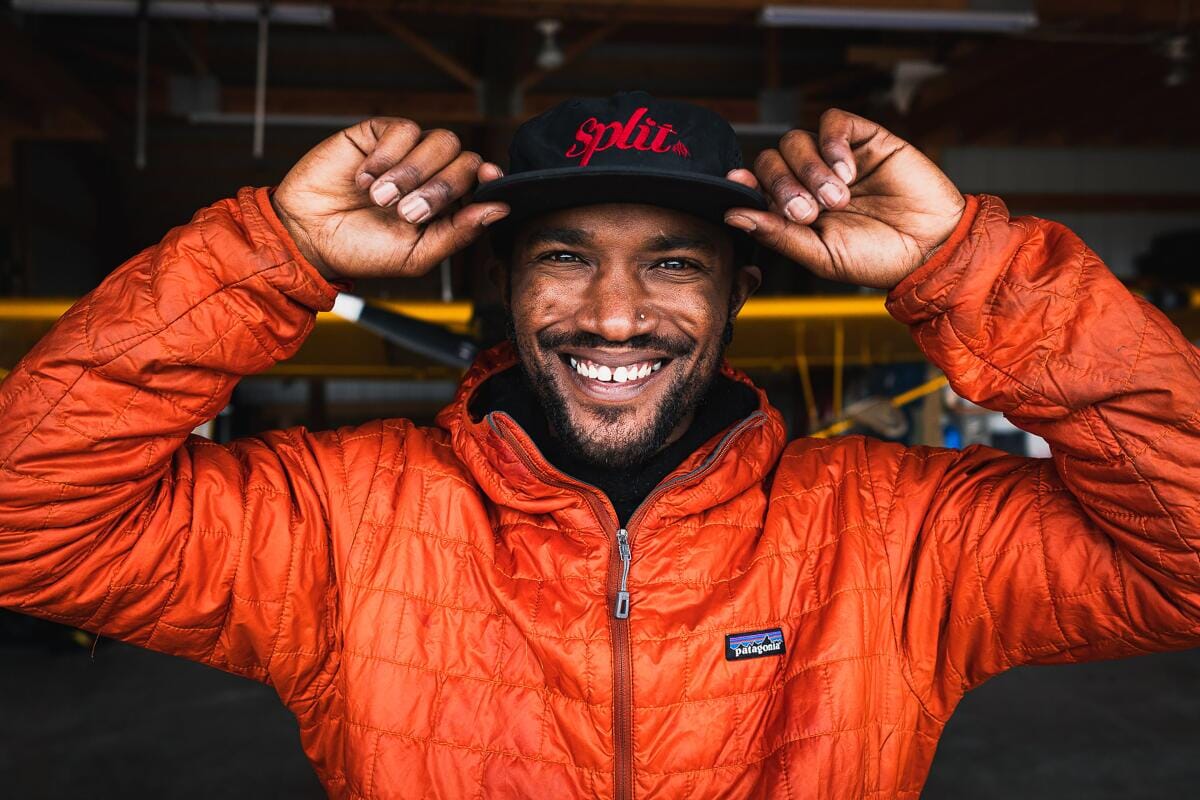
[380, 199]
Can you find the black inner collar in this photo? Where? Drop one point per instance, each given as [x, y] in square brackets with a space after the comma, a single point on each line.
[726, 403]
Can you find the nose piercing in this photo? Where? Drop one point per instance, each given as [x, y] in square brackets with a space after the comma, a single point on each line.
[641, 316]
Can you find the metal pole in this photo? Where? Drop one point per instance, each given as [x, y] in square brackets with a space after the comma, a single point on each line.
[143, 68]
[260, 82]
[447, 284]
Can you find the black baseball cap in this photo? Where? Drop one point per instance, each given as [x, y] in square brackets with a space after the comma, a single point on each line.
[627, 148]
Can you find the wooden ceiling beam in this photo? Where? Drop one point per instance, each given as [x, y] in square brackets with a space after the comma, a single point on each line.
[1150, 12]
[446, 63]
[572, 52]
[421, 106]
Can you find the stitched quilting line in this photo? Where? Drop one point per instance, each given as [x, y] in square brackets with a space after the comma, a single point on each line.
[237, 564]
[487, 557]
[287, 591]
[1039, 505]
[444, 743]
[753, 762]
[446, 673]
[972, 542]
[1149, 486]
[777, 687]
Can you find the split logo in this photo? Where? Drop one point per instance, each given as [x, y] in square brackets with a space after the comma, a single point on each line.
[755, 644]
[639, 132]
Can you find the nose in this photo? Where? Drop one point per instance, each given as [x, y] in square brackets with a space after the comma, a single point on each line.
[616, 304]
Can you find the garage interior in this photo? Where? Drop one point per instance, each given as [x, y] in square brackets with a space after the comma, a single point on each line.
[120, 118]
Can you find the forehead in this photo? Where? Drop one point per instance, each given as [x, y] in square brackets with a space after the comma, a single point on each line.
[626, 226]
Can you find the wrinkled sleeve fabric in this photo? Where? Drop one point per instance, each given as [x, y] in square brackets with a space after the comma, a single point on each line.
[1091, 554]
[114, 519]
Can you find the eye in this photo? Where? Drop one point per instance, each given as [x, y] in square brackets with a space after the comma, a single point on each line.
[676, 264]
[559, 257]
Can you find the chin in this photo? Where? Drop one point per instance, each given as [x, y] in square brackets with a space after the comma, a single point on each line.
[622, 425]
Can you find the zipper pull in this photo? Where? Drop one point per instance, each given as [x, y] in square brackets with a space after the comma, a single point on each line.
[621, 611]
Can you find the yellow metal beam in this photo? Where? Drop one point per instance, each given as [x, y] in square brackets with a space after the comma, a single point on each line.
[900, 400]
[835, 331]
[459, 312]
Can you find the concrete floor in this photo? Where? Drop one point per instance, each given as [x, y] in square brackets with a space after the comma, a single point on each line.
[134, 724]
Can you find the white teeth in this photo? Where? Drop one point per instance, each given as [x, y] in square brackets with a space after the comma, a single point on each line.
[622, 374]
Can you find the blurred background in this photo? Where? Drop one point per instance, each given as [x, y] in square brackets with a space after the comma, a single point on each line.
[120, 118]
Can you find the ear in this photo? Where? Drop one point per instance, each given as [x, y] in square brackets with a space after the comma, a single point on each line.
[745, 282]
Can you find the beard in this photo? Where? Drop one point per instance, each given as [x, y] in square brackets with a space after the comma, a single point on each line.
[613, 439]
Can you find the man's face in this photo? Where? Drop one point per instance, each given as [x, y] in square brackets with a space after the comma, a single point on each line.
[618, 313]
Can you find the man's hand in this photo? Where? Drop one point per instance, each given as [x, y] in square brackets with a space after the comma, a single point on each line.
[381, 199]
[852, 203]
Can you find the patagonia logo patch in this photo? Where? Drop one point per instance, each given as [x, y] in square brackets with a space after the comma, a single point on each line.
[755, 644]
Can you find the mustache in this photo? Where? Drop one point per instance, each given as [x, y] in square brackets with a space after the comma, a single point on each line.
[675, 347]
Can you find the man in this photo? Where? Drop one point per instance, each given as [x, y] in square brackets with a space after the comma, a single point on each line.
[605, 573]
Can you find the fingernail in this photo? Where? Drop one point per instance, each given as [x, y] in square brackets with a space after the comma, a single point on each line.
[385, 193]
[364, 180]
[742, 223]
[495, 215]
[830, 194]
[798, 208]
[843, 171]
[415, 208]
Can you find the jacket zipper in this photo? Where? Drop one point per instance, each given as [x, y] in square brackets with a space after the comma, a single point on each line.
[618, 589]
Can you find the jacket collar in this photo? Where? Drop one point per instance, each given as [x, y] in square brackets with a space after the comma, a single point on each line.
[510, 470]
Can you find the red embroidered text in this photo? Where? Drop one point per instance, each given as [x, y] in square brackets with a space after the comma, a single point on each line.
[639, 132]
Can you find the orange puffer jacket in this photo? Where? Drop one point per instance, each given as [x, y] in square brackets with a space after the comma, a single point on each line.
[435, 605]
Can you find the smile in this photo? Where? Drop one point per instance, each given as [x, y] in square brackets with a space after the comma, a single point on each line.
[605, 373]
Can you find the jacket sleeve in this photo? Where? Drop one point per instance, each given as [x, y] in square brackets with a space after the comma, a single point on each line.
[1090, 554]
[114, 519]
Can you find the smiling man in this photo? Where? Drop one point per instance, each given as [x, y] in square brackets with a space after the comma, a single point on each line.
[605, 572]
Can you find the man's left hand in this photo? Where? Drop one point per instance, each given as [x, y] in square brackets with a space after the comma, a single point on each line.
[851, 202]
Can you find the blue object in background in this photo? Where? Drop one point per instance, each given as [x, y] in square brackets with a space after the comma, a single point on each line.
[951, 437]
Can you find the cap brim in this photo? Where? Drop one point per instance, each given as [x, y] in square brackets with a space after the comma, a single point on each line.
[538, 192]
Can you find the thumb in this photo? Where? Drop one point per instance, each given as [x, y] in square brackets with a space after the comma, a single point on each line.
[793, 240]
[446, 235]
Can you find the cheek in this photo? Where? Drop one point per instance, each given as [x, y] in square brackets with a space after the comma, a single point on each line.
[698, 313]
[537, 304]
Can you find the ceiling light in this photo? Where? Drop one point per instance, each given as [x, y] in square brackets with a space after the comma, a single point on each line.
[550, 56]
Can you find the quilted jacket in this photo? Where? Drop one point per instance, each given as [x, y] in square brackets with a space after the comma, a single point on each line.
[435, 605]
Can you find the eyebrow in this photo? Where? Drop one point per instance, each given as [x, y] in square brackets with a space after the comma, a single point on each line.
[664, 242]
[574, 237]
[577, 237]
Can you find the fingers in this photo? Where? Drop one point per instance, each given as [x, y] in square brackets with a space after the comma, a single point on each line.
[743, 176]
[787, 195]
[401, 176]
[799, 242]
[839, 133]
[437, 194]
[800, 151]
[489, 172]
[384, 140]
